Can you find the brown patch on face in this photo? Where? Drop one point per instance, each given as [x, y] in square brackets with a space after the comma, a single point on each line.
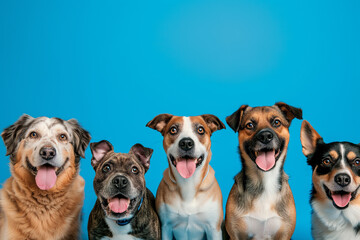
[318, 181]
[25, 176]
[204, 138]
[169, 138]
[262, 117]
[351, 156]
[334, 154]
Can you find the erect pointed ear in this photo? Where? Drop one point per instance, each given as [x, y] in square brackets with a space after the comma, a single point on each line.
[159, 122]
[234, 120]
[13, 134]
[81, 138]
[99, 150]
[309, 138]
[289, 112]
[213, 122]
[143, 154]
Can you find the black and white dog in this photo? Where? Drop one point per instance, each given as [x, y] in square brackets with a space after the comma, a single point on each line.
[336, 179]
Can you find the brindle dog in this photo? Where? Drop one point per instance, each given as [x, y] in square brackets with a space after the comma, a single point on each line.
[125, 208]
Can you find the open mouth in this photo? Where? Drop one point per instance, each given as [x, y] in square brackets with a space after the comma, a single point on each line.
[265, 159]
[46, 174]
[118, 204]
[186, 165]
[340, 199]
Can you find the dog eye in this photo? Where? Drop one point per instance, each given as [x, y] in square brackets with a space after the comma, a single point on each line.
[326, 161]
[201, 130]
[135, 170]
[62, 137]
[250, 126]
[106, 168]
[357, 162]
[173, 130]
[277, 123]
[33, 135]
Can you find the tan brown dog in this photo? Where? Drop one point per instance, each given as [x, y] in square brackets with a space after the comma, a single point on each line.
[44, 196]
[188, 200]
[261, 204]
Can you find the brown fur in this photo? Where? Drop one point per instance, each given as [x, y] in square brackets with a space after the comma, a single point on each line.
[26, 212]
[24, 204]
[243, 195]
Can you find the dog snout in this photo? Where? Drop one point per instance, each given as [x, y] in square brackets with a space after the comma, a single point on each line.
[342, 179]
[47, 153]
[265, 136]
[120, 182]
[186, 144]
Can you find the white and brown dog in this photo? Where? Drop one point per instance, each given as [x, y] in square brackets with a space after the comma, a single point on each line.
[44, 196]
[188, 200]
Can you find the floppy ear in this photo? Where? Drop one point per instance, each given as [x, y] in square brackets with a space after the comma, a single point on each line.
[159, 122]
[99, 150]
[81, 138]
[213, 122]
[234, 119]
[289, 112]
[143, 154]
[13, 134]
[309, 138]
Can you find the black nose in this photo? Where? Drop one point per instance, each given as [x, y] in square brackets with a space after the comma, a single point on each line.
[342, 179]
[120, 182]
[265, 136]
[47, 153]
[186, 144]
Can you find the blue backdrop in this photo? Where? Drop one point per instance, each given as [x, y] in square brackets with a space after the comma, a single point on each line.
[114, 65]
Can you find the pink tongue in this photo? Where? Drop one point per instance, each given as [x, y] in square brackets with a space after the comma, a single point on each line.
[186, 167]
[266, 160]
[45, 177]
[119, 205]
[341, 200]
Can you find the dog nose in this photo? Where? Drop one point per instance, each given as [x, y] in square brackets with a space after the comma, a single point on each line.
[342, 179]
[265, 136]
[120, 182]
[186, 144]
[47, 153]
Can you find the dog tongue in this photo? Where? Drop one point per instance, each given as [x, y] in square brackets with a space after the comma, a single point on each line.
[266, 160]
[45, 177]
[341, 200]
[119, 205]
[186, 167]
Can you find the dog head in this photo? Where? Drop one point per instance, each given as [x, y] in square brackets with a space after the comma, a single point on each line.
[45, 151]
[336, 167]
[186, 140]
[263, 133]
[119, 181]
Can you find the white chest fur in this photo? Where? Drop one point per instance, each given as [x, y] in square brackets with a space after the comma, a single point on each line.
[331, 223]
[263, 221]
[192, 219]
[119, 232]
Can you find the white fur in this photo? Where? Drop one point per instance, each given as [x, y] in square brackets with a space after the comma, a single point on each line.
[331, 224]
[263, 222]
[119, 232]
[48, 131]
[190, 220]
[194, 215]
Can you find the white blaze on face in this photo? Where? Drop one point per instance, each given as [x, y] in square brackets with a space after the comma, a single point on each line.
[186, 167]
[48, 131]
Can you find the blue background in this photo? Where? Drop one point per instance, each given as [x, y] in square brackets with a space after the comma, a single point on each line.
[114, 65]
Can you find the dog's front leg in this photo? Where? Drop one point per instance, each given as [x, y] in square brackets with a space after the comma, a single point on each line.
[213, 234]
[166, 232]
